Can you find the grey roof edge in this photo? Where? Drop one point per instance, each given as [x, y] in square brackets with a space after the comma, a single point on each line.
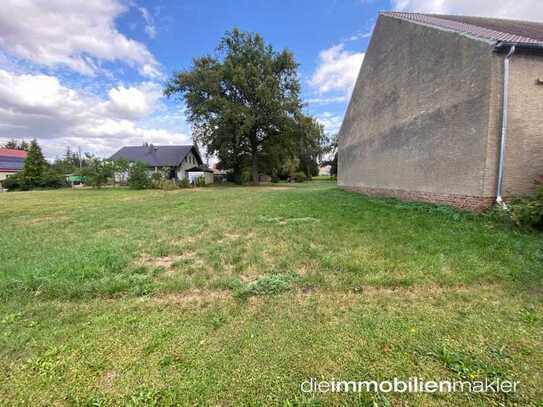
[465, 29]
[437, 27]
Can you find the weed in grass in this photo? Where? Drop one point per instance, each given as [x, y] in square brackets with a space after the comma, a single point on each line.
[217, 321]
[466, 367]
[267, 285]
[529, 314]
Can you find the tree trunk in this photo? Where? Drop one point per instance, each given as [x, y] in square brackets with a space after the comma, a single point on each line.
[236, 173]
[254, 168]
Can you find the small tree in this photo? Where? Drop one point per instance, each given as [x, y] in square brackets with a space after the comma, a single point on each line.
[98, 172]
[138, 177]
[121, 168]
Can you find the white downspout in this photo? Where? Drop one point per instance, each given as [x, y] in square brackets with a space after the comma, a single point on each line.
[503, 140]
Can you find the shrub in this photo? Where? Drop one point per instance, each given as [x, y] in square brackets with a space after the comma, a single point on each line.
[48, 180]
[138, 178]
[299, 177]
[156, 180]
[184, 183]
[17, 183]
[246, 177]
[97, 173]
[167, 185]
[528, 211]
[200, 181]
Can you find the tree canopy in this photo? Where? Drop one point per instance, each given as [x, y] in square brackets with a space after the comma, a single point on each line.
[244, 105]
[17, 145]
[35, 164]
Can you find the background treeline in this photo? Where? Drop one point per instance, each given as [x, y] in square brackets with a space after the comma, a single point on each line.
[93, 171]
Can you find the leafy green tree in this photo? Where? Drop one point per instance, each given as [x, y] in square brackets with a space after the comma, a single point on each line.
[241, 102]
[121, 169]
[138, 176]
[311, 145]
[66, 164]
[98, 172]
[35, 164]
[331, 150]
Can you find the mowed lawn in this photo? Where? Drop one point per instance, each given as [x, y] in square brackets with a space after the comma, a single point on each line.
[236, 295]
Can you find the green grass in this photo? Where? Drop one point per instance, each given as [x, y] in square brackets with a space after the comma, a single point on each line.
[236, 295]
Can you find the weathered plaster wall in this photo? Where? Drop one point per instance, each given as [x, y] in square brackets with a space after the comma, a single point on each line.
[418, 119]
[524, 148]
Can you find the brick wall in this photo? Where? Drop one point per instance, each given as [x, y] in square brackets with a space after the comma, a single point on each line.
[468, 202]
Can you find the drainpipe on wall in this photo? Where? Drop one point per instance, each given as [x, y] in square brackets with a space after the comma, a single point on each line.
[503, 140]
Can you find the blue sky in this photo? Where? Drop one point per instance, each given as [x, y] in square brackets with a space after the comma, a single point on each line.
[89, 74]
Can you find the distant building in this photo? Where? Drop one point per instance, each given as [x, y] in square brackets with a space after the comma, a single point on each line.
[177, 162]
[200, 171]
[426, 115]
[324, 170]
[11, 162]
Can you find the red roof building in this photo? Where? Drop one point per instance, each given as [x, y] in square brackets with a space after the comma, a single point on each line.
[11, 161]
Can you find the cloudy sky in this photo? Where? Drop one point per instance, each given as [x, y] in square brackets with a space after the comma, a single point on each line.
[89, 74]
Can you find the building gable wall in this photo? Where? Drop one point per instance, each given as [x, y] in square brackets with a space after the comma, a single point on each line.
[189, 162]
[418, 119]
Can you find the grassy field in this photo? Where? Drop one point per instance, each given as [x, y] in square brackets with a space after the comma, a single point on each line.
[232, 295]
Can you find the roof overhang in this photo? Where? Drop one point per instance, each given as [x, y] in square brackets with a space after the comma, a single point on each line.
[199, 169]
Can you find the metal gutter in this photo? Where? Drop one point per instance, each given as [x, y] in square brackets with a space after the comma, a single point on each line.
[519, 45]
[503, 140]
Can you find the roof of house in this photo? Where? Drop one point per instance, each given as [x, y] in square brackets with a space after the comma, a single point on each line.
[11, 152]
[200, 168]
[12, 160]
[492, 29]
[157, 156]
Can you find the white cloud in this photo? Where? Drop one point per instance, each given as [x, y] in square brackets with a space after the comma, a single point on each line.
[326, 100]
[150, 28]
[135, 102]
[78, 34]
[512, 9]
[39, 106]
[337, 70]
[330, 121]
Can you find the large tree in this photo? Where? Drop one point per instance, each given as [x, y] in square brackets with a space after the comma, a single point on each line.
[242, 101]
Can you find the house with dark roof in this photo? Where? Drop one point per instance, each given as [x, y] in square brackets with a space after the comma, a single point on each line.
[446, 109]
[177, 162]
[11, 162]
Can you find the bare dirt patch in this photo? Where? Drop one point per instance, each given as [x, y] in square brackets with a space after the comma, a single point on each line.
[165, 262]
[194, 296]
[107, 380]
[43, 220]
